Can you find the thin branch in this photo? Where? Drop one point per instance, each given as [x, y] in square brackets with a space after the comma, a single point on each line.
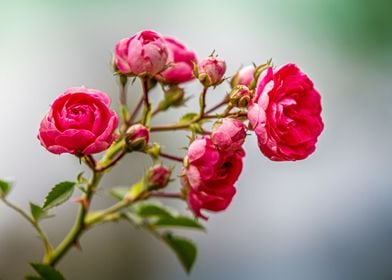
[41, 233]
[167, 195]
[135, 111]
[175, 158]
[217, 106]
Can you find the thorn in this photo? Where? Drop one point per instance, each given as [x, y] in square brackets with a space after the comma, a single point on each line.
[82, 200]
[77, 245]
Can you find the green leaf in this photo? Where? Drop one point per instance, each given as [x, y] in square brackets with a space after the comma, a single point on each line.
[119, 192]
[59, 194]
[185, 249]
[5, 188]
[180, 221]
[187, 118]
[38, 212]
[47, 272]
[30, 277]
[147, 210]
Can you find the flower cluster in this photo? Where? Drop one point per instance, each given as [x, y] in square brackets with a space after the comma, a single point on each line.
[213, 165]
[279, 105]
[282, 106]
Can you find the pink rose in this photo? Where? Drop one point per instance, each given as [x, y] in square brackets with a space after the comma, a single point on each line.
[79, 122]
[244, 76]
[228, 134]
[209, 176]
[285, 114]
[145, 53]
[211, 71]
[181, 59]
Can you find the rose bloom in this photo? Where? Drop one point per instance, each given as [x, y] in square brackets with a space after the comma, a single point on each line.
[181, 59]
[285, 114]
[79, 122]
[209, 176]
[144, 53]
[211, 70]
[228, 134]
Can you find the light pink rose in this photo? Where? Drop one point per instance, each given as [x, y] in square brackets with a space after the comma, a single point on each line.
[211, 71]
[182, 60]
[244, 76]
[79, 122]
[228, 134]
[144, 53]
[285, 114]
[209, 176]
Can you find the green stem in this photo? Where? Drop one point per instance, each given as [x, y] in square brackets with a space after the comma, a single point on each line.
[147, 106]
[41, 233]
[79, 225]
[202, 103]
[98, 217]
[111, 153]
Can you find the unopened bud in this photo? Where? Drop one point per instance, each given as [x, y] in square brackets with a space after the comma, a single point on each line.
[211, 70]
[240, 96]
[174, 97]
[137, 137]
[157, 177]
[243, 77]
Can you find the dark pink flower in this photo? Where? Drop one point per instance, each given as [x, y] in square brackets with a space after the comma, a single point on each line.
[211, 71]
[285, 114]
[182, 60]
[210, 175]
[79, 122]
[228, 134]
[144, 53]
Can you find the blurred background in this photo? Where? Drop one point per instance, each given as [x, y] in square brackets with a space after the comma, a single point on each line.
[328, 217]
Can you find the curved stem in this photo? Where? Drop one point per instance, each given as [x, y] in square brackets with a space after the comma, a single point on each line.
[217, 106]
[112, 163]
[41, 233]
[79, 225]
[202, 103]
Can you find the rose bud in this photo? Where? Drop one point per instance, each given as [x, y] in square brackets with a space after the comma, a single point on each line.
[79, 122]
[137, 137]
[157, 177]
[180, 61]
[285, 114]
[211, 71]
[228, 134]
[243, 77]
[210, 175]
[240, 96]
[144, 53]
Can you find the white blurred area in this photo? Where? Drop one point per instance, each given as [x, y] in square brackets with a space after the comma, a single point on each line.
[328, 217]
